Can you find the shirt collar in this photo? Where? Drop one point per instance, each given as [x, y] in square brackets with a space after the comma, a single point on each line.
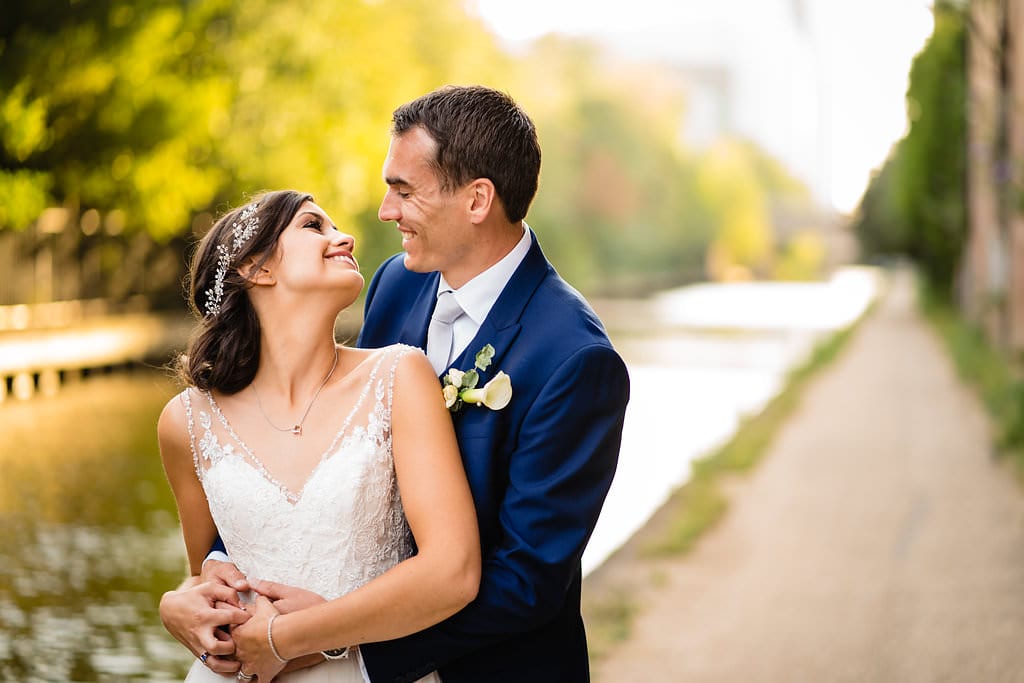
[479, 295]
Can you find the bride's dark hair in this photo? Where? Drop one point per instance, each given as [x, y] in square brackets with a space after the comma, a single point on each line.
[224, 350]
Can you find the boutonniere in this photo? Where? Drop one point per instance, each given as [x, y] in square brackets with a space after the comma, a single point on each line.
[460, 385]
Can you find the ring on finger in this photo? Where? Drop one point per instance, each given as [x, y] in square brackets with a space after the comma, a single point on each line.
[242, 676]
[202, 657]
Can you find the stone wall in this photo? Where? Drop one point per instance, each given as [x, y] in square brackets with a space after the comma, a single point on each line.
[992, 275]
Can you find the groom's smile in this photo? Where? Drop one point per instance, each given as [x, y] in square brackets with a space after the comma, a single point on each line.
[432, 222]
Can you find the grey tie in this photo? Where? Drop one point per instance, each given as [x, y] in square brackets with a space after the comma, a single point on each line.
[439, 334]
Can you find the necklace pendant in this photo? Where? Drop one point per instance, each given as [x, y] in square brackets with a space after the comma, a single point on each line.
[296, 430]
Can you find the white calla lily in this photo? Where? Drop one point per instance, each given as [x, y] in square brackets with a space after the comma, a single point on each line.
[496, 394]
[459, 386]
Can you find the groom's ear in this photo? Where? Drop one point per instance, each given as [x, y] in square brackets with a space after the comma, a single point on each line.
[481, 196]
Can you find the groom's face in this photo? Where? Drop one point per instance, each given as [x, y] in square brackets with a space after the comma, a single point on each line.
[435, 227]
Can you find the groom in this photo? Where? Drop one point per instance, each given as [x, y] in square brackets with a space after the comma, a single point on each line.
[462, 170]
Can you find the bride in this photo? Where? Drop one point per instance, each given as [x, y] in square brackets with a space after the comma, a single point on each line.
[320, 466]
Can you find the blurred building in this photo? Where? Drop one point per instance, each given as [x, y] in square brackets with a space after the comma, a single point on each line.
[752, 70]
[758, 71]
[992, 276]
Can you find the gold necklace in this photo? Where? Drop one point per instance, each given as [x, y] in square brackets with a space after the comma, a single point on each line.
[297, 429]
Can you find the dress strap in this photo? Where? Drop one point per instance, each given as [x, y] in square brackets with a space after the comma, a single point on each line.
[396, 352]
[186, 400]
[402, 351]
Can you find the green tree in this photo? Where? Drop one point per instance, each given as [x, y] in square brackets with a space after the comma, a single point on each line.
[880, 225]
[617, 203]
[312, 101]
[151, 118]
[932, 189]
[105, 105]
[916, 205]
[746, 189]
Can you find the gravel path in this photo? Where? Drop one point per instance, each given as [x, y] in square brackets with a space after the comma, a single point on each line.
[877, 541]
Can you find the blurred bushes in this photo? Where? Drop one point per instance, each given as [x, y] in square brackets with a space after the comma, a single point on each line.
[915, 205]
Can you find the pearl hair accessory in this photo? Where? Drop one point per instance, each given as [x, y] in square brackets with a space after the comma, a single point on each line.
[242, 231]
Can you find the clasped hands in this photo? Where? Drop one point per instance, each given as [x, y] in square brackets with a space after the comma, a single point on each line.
[206, 615]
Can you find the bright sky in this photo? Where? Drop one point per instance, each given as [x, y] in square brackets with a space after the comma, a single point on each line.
[856, 56]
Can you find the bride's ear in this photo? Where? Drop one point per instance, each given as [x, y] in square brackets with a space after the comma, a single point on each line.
[257, 273]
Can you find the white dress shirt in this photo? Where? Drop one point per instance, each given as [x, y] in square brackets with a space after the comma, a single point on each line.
[479, 295]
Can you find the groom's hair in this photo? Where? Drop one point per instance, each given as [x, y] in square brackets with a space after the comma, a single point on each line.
[480, 133]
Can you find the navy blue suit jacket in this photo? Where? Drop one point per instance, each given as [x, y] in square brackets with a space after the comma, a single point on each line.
[539, 470]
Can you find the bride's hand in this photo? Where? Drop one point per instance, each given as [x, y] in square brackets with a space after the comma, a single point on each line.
[286, 598]
[252, 648]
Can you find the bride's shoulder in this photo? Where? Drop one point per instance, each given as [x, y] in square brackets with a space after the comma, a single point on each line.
[408, 356]
[397, 359]
[371, 362]
[396, 353]
[172, 425]
[403, 350]
[177, 406]
[412, 370]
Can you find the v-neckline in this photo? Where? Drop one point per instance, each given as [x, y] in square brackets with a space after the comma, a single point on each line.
[257, 464]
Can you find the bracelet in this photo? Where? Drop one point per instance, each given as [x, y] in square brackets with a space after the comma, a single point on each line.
[270, 640]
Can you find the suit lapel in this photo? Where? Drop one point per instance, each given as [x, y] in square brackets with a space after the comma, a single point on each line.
[500, 339]
[414, 332]
[501, 326]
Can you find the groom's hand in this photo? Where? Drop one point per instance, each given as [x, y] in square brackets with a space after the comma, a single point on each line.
[194, 616]
[225, 573]
[287, 598]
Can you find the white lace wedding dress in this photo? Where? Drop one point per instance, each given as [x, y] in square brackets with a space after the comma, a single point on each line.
[345, 526]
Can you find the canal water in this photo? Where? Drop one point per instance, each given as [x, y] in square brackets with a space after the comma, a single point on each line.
[88, 531]
[702, 358]
[88, 535]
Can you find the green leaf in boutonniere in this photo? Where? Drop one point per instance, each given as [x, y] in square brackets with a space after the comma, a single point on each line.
[459, 386]
[484, 356]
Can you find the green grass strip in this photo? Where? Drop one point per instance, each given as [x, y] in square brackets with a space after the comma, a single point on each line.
[699, 503]
[994, 375]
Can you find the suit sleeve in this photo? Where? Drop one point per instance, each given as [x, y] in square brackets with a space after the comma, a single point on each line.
[366, 331]
[559, 474]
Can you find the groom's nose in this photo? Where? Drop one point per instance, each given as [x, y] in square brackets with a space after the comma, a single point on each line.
[389, 207]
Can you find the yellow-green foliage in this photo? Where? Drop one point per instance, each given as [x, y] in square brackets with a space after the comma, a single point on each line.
[802, 258]
[170, 111]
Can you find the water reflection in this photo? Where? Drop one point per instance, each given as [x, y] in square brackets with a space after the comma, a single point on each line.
[689, 390]
[88, 535]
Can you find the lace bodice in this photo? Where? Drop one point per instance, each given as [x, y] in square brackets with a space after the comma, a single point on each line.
[343, 528]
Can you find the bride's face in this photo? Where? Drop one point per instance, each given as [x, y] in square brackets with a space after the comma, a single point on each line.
[314, 258]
